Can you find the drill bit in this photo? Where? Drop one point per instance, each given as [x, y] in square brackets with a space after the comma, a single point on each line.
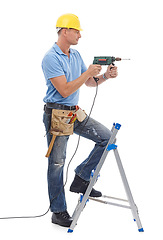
[119, 59]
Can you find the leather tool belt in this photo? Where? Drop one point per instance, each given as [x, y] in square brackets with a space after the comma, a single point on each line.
[61, 122]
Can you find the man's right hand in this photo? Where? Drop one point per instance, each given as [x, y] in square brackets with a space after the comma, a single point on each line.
[94, 70]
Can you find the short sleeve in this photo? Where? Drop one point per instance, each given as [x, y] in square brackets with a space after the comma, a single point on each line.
[83, 67]
[51, 67]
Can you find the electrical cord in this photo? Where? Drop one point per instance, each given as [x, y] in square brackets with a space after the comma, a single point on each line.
[77, 146]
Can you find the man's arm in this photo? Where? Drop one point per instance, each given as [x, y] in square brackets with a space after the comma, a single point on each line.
[110, 73]
[67, 88]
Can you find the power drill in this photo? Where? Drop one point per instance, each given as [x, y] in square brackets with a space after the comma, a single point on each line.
[105, 61]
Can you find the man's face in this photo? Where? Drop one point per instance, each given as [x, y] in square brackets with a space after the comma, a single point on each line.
[73, 36]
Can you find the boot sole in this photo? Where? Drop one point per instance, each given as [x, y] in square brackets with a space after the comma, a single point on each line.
[62, 224]
[76, 191]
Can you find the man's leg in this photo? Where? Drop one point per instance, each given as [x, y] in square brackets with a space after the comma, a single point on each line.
[56, 162]
[98, 133]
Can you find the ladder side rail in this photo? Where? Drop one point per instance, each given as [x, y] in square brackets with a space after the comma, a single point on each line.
[127, 189]
[76, 209]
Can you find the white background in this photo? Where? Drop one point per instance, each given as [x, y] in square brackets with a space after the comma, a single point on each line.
[127, 29]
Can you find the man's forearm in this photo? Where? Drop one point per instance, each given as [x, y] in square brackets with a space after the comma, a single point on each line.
[91, 82]
[73, 86]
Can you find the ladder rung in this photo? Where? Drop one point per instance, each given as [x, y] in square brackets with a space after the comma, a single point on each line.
[120, 199]
[111, 203]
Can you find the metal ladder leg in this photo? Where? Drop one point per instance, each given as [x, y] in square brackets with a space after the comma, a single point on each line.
[133, 206]
[81, 205]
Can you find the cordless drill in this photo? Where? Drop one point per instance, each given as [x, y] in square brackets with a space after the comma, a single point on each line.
[106, 61]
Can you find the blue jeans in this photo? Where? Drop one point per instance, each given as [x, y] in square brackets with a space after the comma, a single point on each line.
[94, 131]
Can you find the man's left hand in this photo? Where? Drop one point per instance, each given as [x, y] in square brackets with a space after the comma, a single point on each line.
[111, 71]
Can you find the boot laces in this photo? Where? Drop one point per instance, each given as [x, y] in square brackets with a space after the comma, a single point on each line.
[65, 215]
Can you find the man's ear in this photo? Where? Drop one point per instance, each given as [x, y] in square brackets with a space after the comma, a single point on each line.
[64, 31]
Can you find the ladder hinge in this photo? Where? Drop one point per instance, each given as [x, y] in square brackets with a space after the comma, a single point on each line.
[111, 147]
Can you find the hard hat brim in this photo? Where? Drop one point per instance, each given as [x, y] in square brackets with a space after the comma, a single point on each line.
[79, 29]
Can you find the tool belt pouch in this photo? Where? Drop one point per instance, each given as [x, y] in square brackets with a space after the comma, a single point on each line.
[59, 125]
[80, 114]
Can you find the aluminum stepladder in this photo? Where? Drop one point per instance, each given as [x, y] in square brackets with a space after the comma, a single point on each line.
[84, 198]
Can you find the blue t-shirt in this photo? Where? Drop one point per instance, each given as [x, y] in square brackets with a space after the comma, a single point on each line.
[54, 64]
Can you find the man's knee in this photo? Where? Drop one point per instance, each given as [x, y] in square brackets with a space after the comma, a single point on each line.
[105, 141]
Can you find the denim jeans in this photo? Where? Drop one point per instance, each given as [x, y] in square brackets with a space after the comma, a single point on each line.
[92, 130]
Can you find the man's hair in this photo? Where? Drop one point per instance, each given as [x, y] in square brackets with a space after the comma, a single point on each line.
[58, 30]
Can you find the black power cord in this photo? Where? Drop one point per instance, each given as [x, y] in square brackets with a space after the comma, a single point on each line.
[38, 216]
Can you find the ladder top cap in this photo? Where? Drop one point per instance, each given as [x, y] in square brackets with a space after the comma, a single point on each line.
[117, 126]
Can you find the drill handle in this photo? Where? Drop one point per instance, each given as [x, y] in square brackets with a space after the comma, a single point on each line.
[111, 64]
[96, 79]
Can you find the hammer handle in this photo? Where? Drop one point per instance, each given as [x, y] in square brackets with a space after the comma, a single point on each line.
[50, 146]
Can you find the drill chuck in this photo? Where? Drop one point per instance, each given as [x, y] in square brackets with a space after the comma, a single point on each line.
[118, 59]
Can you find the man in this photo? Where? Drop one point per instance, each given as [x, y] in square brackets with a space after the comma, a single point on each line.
[65, 72]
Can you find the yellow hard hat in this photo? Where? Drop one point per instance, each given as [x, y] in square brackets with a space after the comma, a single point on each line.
[68, 21]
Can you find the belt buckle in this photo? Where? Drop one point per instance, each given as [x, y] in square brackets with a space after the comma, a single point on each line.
[72, 107]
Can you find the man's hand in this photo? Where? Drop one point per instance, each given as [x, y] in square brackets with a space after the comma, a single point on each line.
[111, 71]
[94, 70]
